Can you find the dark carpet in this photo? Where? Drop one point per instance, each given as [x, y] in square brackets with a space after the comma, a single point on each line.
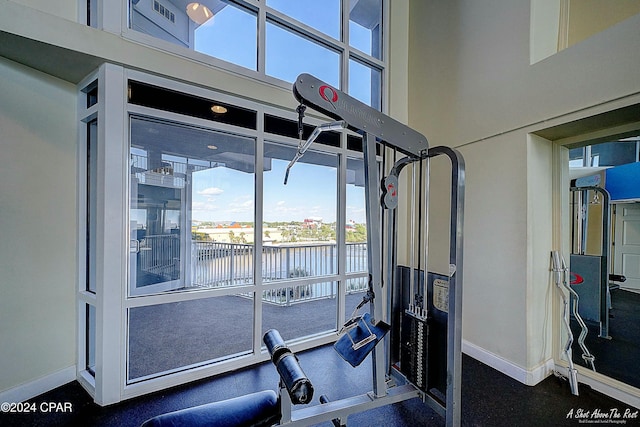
[618, 357]
[489, 398]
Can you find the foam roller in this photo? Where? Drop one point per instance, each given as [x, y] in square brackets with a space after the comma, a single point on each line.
[291, 374]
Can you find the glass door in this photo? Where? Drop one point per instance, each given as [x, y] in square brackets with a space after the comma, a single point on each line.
[158, 220]
[155, 233]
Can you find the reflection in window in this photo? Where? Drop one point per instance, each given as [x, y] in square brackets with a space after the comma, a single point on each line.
[90, 353]
[192, 208]
[364, 26]
[229, 31]
[231, 35]
[289, 55]
[364, 83]
[91, 205]
[323, 16]
[606, 154]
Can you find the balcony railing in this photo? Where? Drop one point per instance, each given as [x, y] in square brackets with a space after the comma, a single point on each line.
[216, 264]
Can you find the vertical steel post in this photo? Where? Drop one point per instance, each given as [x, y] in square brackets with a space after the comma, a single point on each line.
[454, 321]
[374, 256]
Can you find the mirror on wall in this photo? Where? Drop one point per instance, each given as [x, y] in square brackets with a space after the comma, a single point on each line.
[605, 257]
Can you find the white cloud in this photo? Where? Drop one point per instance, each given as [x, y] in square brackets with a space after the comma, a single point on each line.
[211, 191]
[202, 206]
[240, 205]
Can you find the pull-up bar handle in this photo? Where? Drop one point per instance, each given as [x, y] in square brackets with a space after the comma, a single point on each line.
[303, 147]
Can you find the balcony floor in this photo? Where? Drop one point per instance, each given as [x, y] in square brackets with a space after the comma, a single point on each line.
[201, 329]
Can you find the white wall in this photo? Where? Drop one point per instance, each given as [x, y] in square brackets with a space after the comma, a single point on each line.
[37, 225]
[472, 86]
[67, 9]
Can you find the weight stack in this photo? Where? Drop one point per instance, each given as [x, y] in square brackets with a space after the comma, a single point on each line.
[414, 349]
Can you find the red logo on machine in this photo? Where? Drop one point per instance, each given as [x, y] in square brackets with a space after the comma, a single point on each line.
[329, 94]
[392, 189]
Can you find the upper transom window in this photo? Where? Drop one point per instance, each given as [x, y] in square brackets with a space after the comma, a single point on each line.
[276, 38]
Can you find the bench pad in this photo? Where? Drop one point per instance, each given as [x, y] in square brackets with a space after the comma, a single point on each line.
[252, 410]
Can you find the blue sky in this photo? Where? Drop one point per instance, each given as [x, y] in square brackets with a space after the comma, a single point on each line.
[222, 194]
[232, 35]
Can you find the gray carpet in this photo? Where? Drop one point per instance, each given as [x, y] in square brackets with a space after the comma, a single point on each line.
[170, 336]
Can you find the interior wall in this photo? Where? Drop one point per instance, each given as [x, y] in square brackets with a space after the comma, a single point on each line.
[540, 289]
[588, 17]
[67, 9]
[37, 224]
[472, 86]
[545, 29]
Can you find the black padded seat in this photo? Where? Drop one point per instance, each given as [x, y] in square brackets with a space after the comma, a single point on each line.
[252, 410]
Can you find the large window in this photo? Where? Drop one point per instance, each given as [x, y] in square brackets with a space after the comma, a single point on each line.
[274, 39]
[205, 247]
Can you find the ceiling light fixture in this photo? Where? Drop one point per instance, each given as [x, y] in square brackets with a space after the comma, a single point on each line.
[218, 109]
[199, 13]
[212, 147]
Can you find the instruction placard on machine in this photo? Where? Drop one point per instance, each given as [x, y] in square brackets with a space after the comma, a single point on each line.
[441, 295]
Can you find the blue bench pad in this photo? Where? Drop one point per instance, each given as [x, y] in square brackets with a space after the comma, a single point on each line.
[252, 410]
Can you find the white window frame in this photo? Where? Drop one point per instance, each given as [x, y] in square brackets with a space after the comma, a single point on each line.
[109, 384]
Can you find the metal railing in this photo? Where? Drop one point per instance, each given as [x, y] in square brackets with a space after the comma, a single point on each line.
[160, 255]
[215, 264]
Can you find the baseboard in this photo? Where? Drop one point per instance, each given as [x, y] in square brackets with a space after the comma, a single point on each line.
[518, 373]
[619, 391]
[37, 387]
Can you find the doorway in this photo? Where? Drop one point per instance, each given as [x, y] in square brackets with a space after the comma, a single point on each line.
[626, 251]
[157, 237]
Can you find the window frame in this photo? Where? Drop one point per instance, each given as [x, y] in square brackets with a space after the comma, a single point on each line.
[109, 383]
[109, 17]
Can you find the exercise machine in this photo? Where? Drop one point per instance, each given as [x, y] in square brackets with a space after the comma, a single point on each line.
[592, 279]
[591, 271]
[421, 357]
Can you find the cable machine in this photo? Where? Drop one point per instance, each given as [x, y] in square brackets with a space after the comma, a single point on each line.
[411, 367]
[423, 357]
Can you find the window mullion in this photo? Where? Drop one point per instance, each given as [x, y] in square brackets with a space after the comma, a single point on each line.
[258, 217]
[262, 42]
[304, 30]
[344, 64]
[341, 220]
[384, 78]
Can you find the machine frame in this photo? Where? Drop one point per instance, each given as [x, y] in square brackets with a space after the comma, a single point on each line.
[376, 127]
